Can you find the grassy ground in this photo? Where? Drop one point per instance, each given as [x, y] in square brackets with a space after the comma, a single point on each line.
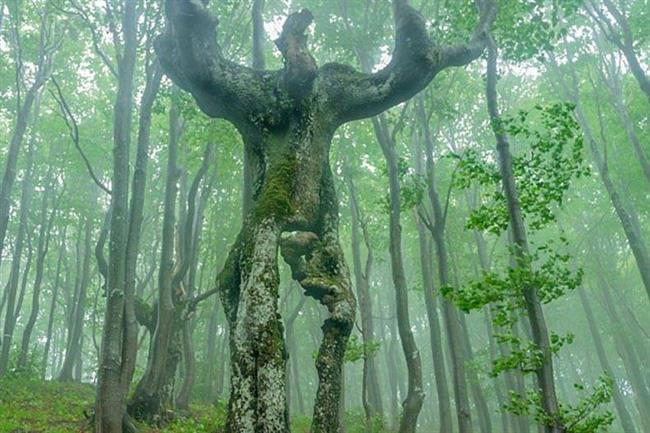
[51, 407]
[34, 407]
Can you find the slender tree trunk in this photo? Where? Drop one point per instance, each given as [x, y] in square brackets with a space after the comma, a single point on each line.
[414, 395]
[371, 392]
[623, 414]
[211, 362]
[119, 337]
[31, 100]
[625, 42]
[41, 252]
[450, 314]
[544, 372]
[14, 277]
[153, 397]
[485, 422]
[632, 365]
[73, 347]
[52, 310]
[629, 220]
[293, 375]
[431, 302]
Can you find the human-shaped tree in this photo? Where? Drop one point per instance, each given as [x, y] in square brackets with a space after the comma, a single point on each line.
[287, 119]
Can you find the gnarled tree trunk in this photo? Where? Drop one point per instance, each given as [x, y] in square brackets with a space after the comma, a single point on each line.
[287, 119]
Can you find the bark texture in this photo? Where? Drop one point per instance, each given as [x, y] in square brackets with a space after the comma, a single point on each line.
[287, 119]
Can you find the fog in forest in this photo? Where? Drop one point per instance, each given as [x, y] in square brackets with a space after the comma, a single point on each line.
[324, 216]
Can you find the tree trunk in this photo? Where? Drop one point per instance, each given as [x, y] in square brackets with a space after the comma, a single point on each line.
[632, 364]
[293, 375]
[629, 220]
[415, 394]
[450, 314]
[431, 302]
[153, 397]
[485, 423]
[41, 252]
[73, 347]
[287, 119]
[119, 340]
[14, 277]
[31, 100]
[544, 373]
[623, 414]
[55, 295]
[371, 391]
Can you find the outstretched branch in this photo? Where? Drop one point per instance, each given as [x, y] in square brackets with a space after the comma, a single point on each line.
[416, 61]
[190, 55]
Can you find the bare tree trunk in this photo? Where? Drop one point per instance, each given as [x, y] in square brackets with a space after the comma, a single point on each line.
[55, 295]
[119, 340]
[450, 314]
[632, 364]
[153, 397]
[41, 252]
[75, 335]
[624, 415]
[431, 302]
[293, 375]
[544, 373]
[627, 216]
[14, 277]
[24, 110]
[415, 394]
[371, 391]
[485, 423]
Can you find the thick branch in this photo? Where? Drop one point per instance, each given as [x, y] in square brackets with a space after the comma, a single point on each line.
[416, 61]
[190, 55]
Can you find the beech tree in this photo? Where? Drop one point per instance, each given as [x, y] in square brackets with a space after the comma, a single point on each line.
[287, 119]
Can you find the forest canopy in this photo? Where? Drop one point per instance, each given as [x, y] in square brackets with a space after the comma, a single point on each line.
[344, 216]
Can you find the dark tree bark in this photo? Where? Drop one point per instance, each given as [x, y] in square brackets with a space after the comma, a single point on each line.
[287, 119]
[540, 336]
[153, 397]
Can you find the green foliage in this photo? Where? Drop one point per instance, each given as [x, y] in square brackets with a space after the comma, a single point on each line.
[583, 417]
[553, 158]
[412, 187]
[358, 350]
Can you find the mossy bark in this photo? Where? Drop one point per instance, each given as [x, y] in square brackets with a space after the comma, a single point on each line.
[294, 207]
[287, 119]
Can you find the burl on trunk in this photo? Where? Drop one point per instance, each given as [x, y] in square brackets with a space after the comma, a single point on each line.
[287, 119]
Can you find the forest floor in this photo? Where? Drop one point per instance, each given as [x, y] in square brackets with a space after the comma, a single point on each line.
[28, 406]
